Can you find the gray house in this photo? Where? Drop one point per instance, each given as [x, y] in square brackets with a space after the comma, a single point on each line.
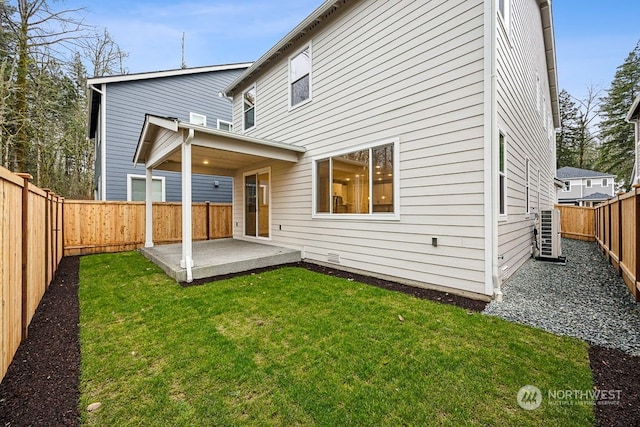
[583, 187]
[118, 106]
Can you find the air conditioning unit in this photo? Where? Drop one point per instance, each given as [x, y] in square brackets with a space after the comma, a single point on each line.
[550, 236]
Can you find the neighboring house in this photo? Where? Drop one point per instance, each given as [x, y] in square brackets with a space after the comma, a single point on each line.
[407, 140]
[118, 106]
[634, 118]
[584, 187]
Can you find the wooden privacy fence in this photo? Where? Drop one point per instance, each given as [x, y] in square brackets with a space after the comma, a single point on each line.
[97, 226]
[577, 222]
[30, 251]
[617, 231]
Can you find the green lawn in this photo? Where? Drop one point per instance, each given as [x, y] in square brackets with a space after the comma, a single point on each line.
[292, 347]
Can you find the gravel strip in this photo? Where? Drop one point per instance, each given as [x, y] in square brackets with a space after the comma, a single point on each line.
[585, 299]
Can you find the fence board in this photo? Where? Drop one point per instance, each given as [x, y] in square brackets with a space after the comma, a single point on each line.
[97, 226]
[577, 222]
[618, 234]
[25, 266]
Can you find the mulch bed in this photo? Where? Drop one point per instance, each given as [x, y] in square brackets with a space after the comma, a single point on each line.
[41, 387]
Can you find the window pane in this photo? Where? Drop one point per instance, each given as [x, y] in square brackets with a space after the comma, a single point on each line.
[322, 187]
[350, 185]
[502, 195]
[383, 178]
[139, 192]
[501, 153]
[300, 65]
[226, 126]
[300, 90]
[249, 107]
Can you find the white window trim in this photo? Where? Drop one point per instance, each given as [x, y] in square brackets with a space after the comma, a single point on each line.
[130, 177]
[194, 116]
[218, 122]
[567, 190]
[255, 108]
[244, 203]
[603, 182]
[372, 216]
[588, 183]
[503, 216]
[306, 101]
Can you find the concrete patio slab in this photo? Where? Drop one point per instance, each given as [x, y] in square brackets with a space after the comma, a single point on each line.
[217, 257]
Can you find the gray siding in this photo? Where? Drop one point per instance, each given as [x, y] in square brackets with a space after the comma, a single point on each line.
[127, 104]
[579, 187]
[404, 70]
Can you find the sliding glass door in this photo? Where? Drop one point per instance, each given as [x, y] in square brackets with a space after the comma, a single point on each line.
[257, 196]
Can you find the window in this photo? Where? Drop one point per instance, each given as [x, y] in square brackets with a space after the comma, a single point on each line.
[361, 182]
[300, 77]
[225, 125]
[538, 93]
[605, 182]
[249, 108]
[567, 186]
[502, 176]
[197, 119]
[137, 188]
[527, 186]
[588, 183]
[503, 11]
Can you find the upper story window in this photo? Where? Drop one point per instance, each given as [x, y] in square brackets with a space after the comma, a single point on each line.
[605, 182]
[588, 183]
[197, 119]
[300, 77]
[249, 108]
[363, 181]
[567, 186]
[225, 125]
[503, 11]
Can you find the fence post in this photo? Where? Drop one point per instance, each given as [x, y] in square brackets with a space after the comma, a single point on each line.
[57, 230]
[25, 256]
[47, 237]
[208, 222]
[636, 197]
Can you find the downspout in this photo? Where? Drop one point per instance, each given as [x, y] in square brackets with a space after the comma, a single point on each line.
[103, 138]
[492, 279]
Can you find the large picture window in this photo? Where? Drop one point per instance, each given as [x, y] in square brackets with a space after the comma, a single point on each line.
[358, 182]
[300, 77]
[249, 108]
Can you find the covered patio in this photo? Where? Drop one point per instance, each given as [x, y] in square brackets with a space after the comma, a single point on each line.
[169, 144]
[218, 257]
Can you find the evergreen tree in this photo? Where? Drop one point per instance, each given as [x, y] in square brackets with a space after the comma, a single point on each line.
[566, 136]
[616, 152]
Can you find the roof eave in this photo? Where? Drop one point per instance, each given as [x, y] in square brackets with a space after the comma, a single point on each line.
[550, 53]
[634, 111]
[287, 40]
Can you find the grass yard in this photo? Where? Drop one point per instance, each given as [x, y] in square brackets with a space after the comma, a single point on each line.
[293, 347]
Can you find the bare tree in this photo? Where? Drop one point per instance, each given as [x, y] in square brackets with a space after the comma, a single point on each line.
[586, 139]
[36, 27]
[105, 55]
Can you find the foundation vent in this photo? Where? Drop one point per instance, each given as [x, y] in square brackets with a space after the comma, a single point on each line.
[334, 258]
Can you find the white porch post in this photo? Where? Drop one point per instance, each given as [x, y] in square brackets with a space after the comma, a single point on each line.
[148, 231]
[187, 246]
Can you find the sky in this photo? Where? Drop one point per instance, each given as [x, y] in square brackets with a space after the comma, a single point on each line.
[592, 37]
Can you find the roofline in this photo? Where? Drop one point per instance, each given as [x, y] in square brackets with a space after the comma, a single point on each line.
[589, 177]
[299, 30]
[550, 54]
[165, 73]
[174, 125]
[634, 111]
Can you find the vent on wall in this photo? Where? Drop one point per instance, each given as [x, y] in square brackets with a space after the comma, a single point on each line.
[334, 258]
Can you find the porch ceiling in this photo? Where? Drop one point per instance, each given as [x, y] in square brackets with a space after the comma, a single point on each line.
[214, 152]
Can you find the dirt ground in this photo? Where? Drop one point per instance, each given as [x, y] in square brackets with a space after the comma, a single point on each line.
[41, 387]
